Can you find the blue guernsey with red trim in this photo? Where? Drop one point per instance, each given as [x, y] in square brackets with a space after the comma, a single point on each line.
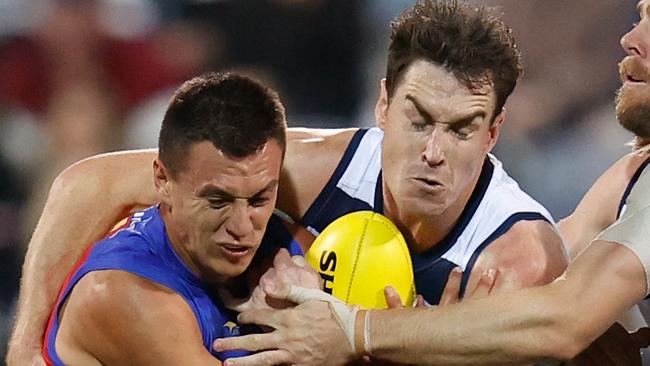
[143, 249]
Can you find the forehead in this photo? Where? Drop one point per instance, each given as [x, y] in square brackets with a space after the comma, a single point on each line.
[206, 164]
[435, 88]
[430, 77]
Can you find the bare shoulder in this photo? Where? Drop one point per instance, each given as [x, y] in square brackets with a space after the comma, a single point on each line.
[598, 208]
[113, 315]
[530, 253]
[311, 158]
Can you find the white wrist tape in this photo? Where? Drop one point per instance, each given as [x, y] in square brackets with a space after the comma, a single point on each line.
[366, 332]
[343, 313]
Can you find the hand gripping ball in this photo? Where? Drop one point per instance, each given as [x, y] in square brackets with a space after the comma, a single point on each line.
[358, 255]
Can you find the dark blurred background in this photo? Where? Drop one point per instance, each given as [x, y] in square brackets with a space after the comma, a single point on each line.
[81, 77]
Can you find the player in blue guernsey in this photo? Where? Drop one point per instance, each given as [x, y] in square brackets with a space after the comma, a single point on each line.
[427, 167]
[143, 249]
[149, 293]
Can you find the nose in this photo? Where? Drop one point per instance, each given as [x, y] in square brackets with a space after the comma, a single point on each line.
[632, 42]
[433, 153]
[240, 223]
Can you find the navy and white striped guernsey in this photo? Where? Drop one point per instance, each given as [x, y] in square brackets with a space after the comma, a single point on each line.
[495, 205]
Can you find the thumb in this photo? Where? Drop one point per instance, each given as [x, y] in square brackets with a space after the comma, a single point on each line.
[393, 299]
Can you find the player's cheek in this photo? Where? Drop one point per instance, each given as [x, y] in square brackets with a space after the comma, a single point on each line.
[261, 216]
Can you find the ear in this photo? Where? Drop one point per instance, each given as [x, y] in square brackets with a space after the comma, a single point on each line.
[495, 128]
[162, 181]
[381, 108]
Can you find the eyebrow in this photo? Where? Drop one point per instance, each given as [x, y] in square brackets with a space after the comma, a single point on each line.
[420, 108]
[216, 191]
[464, 120]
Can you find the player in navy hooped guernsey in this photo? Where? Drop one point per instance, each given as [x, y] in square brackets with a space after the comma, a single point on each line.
[148, 294]
[496, 204]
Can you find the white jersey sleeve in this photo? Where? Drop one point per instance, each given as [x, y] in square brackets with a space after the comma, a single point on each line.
[632, 229]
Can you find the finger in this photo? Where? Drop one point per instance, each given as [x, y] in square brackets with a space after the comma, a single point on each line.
[266, 317]
[282, 259]
[506, 280]
[299, 260]
[419, 302]
[484, 285]
[273, 285]
[251, 342]
[272, 357]
[393, 299]
[451, 293]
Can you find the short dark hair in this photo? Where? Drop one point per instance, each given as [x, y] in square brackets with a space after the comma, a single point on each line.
[477, 48]
[237, 114]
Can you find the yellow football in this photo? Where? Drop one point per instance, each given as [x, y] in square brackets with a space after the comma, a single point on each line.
[358, 255]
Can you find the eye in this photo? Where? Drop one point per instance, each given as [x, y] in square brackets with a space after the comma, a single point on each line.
[218, 204]
[419, 125]
[259, 201]
[462, 133]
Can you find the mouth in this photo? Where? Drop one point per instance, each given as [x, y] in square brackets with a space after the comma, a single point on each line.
[633, 72]
[234, 252]
[633, 80]
[429, 184]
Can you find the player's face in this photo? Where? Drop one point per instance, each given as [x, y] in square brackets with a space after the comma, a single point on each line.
[633, 101]
[220, 207]
[437, 134]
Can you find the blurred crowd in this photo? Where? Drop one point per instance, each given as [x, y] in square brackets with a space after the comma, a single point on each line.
[81, 77]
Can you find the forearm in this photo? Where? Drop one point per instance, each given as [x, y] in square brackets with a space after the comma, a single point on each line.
[514, 328]
[553, 321]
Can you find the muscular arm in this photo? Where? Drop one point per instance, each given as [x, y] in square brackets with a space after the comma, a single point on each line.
[84, 202]
[117, 318]
[597, 209]
[519, 326]
[531, 253]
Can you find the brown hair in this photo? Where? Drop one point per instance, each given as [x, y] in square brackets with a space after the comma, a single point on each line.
[477, 48]
[236, 113]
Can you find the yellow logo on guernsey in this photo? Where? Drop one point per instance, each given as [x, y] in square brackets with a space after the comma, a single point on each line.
[231, 329]
[359, 254]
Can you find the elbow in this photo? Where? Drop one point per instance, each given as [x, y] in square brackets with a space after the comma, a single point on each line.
[78, 177]
[64, 186]
[65, 180]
